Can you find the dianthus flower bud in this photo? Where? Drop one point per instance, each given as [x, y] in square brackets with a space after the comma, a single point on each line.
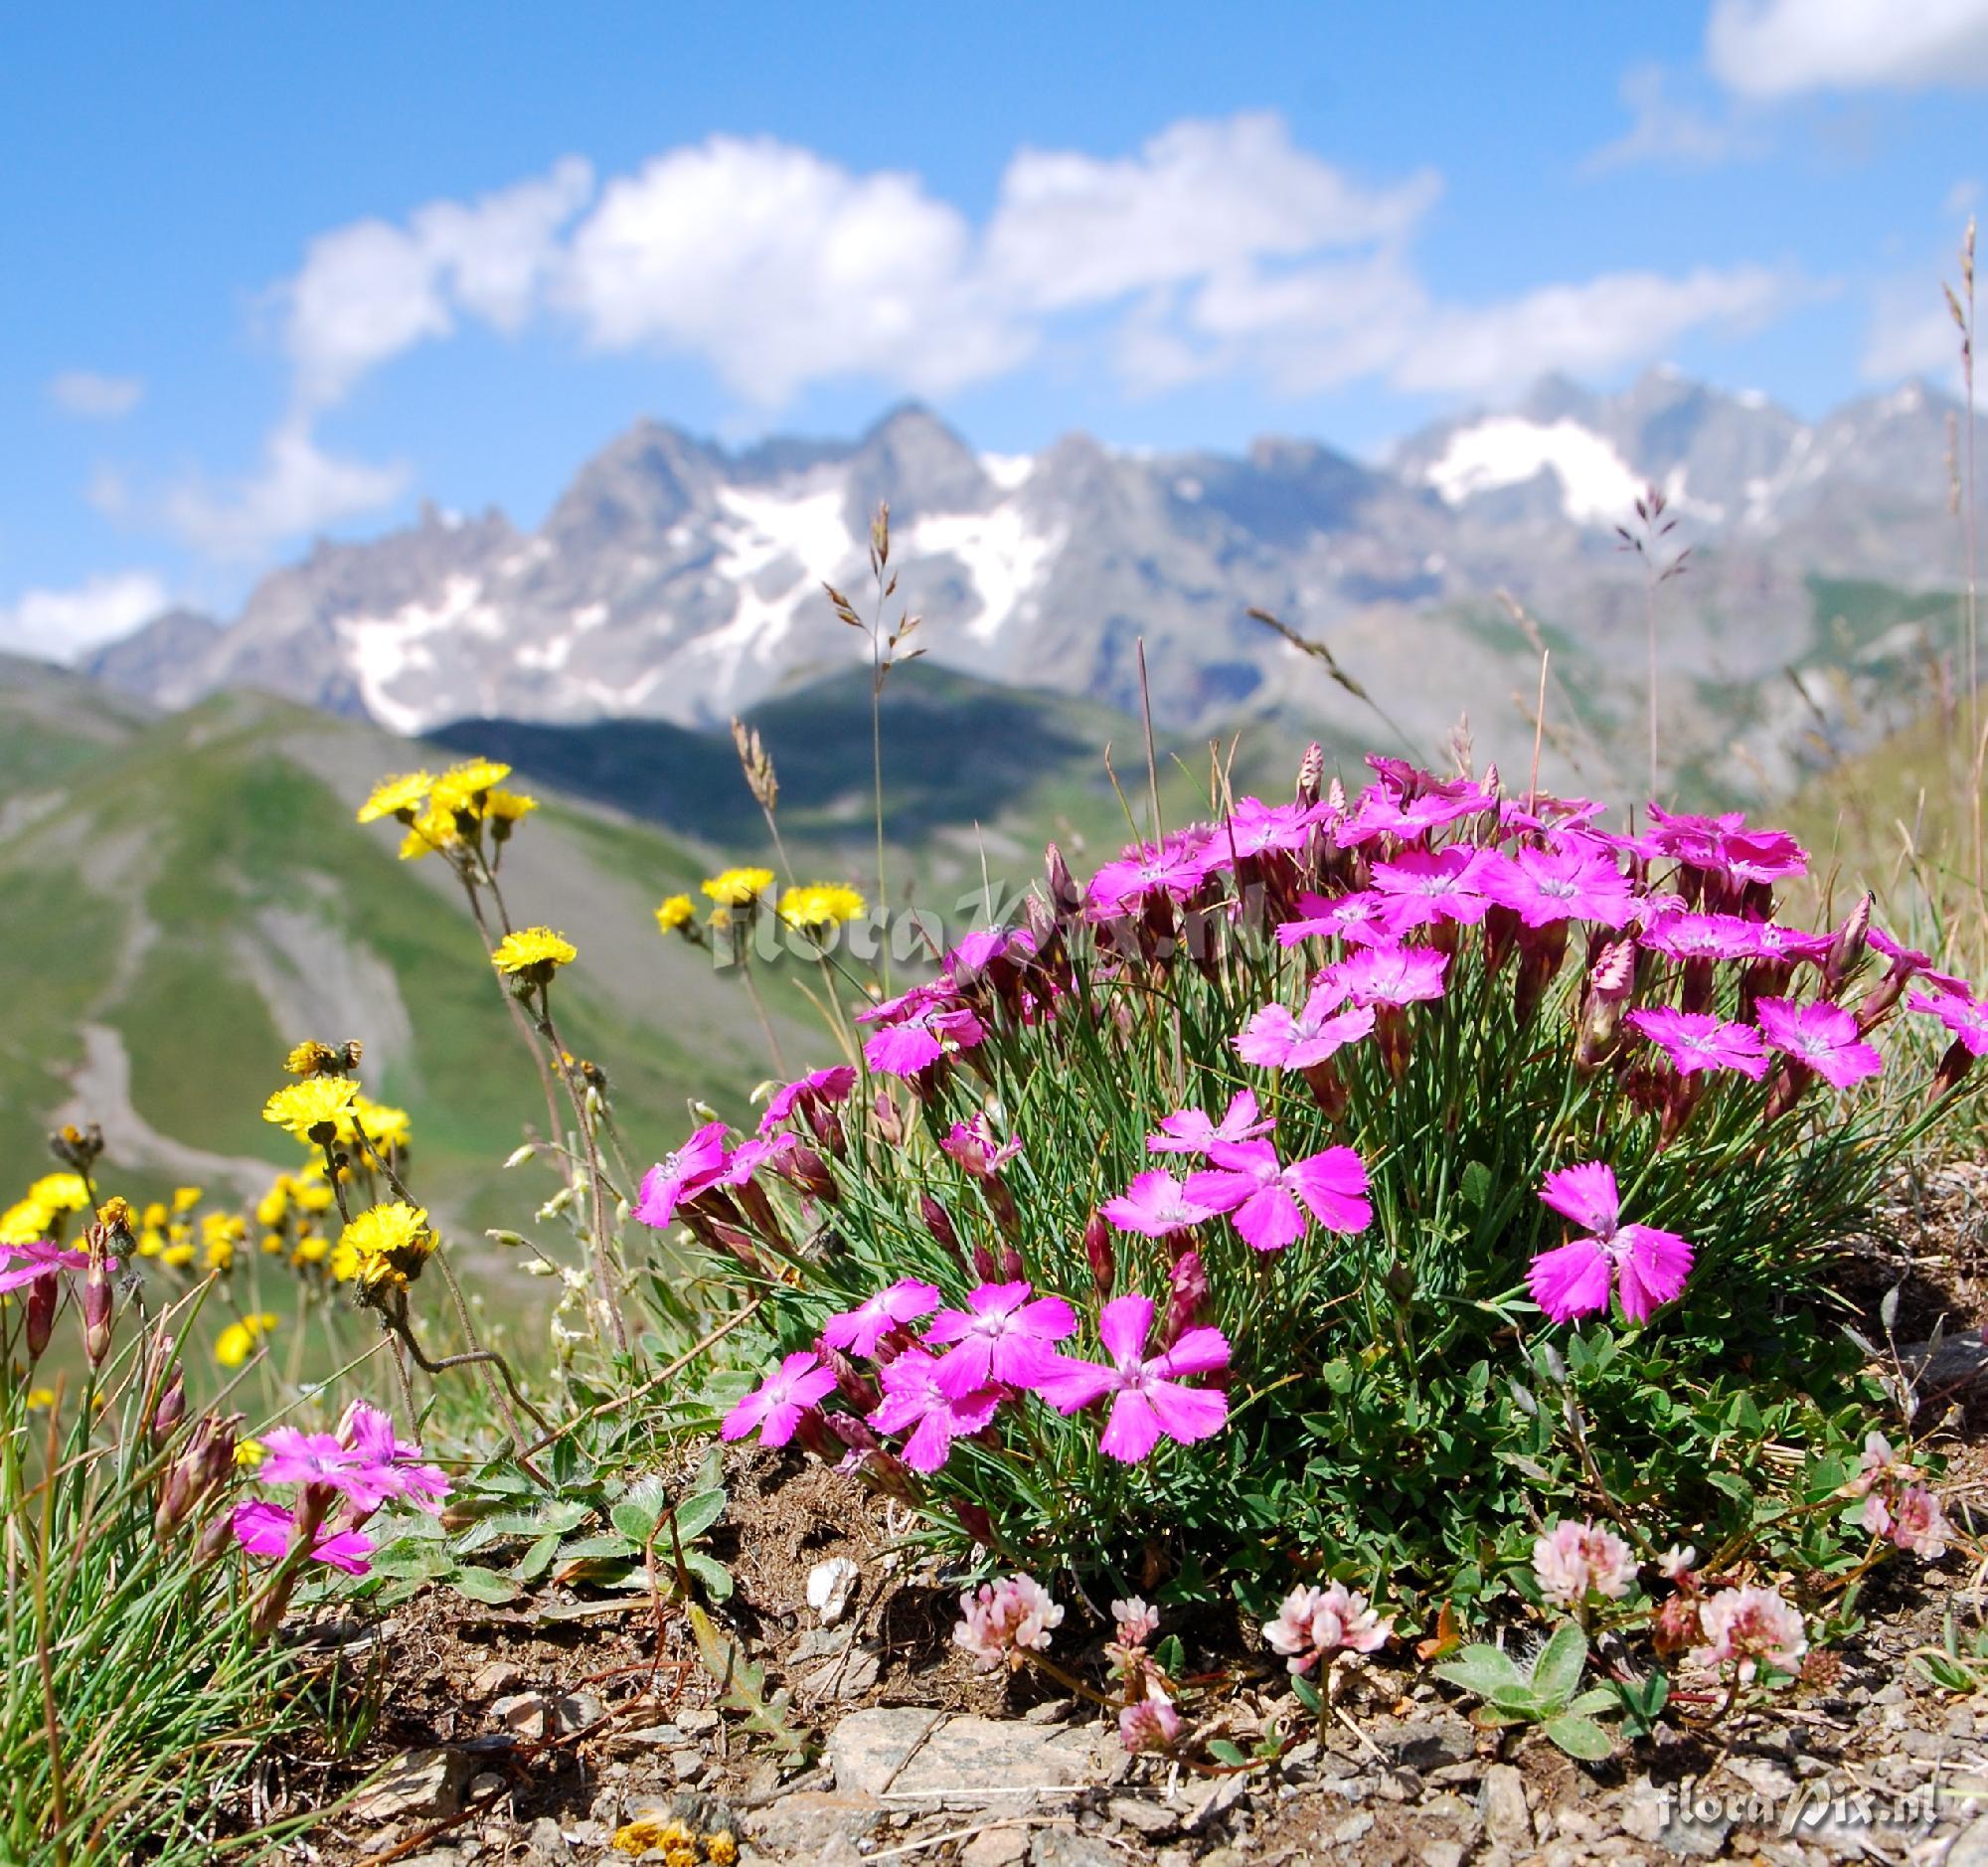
[1097, 1252]
[97, 1308]
[40, 1317]
[851, 1382]
[938, 1222]
[1847, 949]
[977, 1524]
[1184, 1305]
[171, 1408]
[1065, 897]
[1953, 1068]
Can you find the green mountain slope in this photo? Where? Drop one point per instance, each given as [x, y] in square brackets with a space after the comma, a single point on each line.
[182, 899]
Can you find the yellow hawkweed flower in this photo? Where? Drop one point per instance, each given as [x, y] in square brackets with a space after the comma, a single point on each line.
[23, 1222]
[392, 795]
[660, 1831]
[537, 952]
[385, 1126]
[738, 888]
[311, 1108]
[434, 829]
[820, 905]
[720, 1848]
[248, 1455]
[467, 786]
[185, 1198]
[675, 914]
[313, 1249]
[508, 806]
[237, 1342]
[311, 1057]
[275, 1202]
[178, 1255]
[40, 1399]
[383, 1244]
[272, 1243]
[61, 1192]
[115, 1214]
[684, 1856]
[151, 1242]
[220, 1254]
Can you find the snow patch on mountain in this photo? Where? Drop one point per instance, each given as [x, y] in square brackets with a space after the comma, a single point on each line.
[386, 649]
[1004, 556]
[1598, 486]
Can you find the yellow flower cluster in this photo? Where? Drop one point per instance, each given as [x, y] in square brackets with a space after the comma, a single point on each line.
[681, 1844]
[236, 1343]
[534, 953]
[385, 1245]
[675, 914]
[179, 1239]
[817, 907]
[40, 1214]
[289, 1214]
[440, 813]
[738, 888]
[383, 1125]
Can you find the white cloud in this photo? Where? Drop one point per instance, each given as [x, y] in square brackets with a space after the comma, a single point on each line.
[1217, 246]
[1322, 326]
[58, 625]
[1591, 328]
[368, 291]
[1666, 130]
[1779, 48]
[299, 489]
[1199, 200]
[100, 398]
[780, 268]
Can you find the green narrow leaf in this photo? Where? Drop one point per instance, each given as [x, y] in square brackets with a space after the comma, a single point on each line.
[1556, 1672]
[484, 1585]
[696, 1515]
[539, 1558]
[1580, 1737]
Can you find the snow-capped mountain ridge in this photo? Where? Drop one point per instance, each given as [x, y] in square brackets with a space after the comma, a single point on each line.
[678, 579]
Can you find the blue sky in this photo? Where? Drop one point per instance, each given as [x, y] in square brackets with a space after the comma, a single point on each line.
[281, 272]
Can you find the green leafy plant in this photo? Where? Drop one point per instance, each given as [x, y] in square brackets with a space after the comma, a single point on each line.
[1547, 1693]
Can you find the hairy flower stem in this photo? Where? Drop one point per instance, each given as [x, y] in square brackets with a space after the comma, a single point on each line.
[397, 1318]
[511, 1004]
[455, 1288]
[596, 1178]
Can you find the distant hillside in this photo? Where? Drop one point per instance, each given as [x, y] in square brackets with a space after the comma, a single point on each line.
[182, 899]
[969, 769]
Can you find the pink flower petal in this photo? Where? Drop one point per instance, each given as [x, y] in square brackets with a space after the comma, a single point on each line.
[1133, 1428]
[1586, 1194]
[1271, 1220]
[1571, 1281]
[1651, 1270]
[1123, 1325]
[1188, 1414]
